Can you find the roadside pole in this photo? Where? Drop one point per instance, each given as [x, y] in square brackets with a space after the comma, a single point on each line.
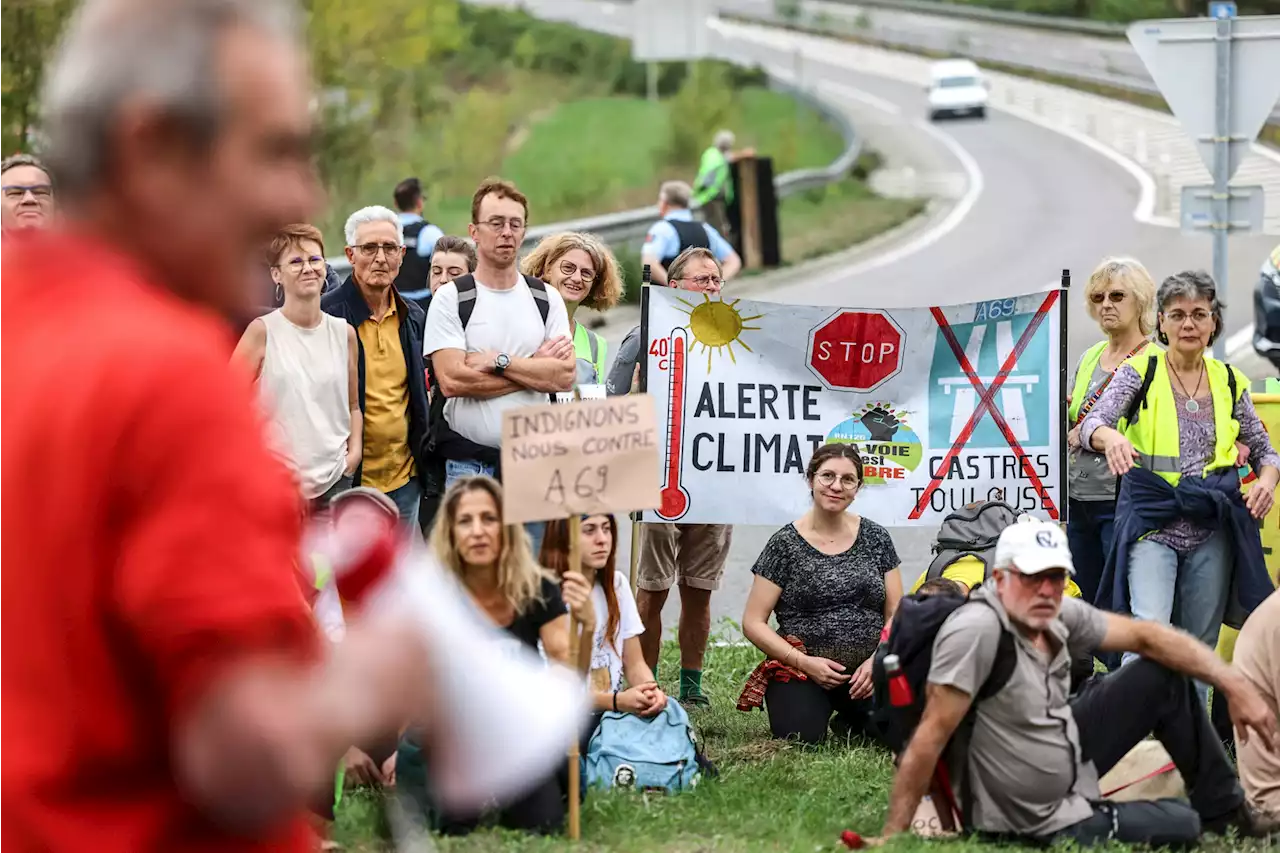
[1221, 164]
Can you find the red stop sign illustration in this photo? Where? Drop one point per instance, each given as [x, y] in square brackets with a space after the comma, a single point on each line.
[855, 350]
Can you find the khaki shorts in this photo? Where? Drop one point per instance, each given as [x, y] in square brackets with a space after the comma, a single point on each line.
[691, 554]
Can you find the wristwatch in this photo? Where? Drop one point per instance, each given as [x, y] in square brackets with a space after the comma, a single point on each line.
[501, 363]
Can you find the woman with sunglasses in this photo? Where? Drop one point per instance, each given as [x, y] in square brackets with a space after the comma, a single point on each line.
[305, 363]
[1120, 297]
[1185, 538]
[832, 580]
[586, 275]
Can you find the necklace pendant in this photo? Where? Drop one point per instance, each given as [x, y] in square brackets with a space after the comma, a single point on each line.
[1192, 406]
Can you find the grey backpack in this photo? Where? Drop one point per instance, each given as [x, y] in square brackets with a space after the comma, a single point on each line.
[971, 531]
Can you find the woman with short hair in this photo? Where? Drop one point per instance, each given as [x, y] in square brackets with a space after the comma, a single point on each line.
[1167, 424]
[305, 363]
[452, 257]
[1120, 297]
[585, 273]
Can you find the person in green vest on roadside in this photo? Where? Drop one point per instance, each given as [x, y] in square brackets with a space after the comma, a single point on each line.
[1120, 297]
[713, 188]
[585, 274]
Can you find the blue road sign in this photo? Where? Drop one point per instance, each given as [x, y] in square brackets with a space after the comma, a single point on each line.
[1222, 9]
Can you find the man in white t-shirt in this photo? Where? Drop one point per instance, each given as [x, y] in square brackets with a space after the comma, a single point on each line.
[503, 351]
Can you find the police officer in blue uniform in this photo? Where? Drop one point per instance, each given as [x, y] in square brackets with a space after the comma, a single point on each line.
[677, 230]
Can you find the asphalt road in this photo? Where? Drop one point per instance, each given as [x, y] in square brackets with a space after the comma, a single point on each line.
[1031, 202]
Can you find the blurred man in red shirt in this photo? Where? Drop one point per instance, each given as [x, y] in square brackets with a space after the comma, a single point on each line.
[162, 687]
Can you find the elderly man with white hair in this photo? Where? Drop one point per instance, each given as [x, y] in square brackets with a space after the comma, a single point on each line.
[713, 188]
[393, 387]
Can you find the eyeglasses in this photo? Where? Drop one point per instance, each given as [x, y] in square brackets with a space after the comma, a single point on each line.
[1115, 297]
[828, 479]
[703, 281]
[16, 192]
[499, 224]
[370, 250]
[1199, 317]
[296, 264]
[568, 268]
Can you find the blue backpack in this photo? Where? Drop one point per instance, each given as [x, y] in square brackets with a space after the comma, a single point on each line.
[631, 752]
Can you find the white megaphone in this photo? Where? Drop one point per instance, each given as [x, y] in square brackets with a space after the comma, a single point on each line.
[488, 742]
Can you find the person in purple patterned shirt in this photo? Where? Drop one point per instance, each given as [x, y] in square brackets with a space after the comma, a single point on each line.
[1182, 573]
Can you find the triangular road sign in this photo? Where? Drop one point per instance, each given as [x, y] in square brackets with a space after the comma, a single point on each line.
[1180, 54]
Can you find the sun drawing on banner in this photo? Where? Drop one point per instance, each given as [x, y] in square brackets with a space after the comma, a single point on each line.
[718, 326]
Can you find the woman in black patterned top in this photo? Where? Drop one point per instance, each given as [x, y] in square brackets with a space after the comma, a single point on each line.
[832, 580]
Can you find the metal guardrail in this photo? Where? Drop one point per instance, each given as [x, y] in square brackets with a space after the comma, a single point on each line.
[1009, 17]
[627, 225]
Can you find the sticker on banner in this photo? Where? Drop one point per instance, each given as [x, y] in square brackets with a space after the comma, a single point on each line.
[889, 447]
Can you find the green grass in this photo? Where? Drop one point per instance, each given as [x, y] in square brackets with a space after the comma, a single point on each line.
[771, 796]
[572, 156]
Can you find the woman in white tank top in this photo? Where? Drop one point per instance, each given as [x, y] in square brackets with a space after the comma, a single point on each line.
[305, 363]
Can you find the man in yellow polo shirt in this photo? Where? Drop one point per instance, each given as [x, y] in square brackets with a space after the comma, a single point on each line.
[393, 390]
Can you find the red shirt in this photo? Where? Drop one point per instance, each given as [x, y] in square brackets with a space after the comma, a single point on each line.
[148, 539]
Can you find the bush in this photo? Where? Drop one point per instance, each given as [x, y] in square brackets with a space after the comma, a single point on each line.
[704, 104]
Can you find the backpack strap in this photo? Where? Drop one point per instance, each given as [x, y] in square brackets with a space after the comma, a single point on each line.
[538, 288]
[1140, 399]
[466, 285]
[1231, 382]
[595, 350]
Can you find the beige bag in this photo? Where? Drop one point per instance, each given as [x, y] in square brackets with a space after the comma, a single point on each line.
[1141, 775]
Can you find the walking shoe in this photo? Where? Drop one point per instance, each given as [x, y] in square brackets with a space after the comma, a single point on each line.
[1244, 820]
[695, 702]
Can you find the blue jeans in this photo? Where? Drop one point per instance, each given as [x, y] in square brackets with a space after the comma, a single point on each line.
[407, 499]
[1089, 534]
[1188, 591]
[456, 469]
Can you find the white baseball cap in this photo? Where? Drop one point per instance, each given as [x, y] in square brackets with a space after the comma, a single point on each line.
[1033, 546]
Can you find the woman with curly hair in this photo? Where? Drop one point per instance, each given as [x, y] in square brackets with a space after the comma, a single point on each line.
[585, 273]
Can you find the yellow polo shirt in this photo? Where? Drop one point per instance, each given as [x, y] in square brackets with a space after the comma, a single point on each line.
[387, 463]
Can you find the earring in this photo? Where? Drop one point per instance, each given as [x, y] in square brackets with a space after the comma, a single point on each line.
[279, 294]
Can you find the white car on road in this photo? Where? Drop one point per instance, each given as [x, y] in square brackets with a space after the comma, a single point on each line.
[957, 88]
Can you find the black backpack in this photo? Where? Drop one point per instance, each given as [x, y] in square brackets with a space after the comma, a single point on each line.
[911, 638]
[970, 531]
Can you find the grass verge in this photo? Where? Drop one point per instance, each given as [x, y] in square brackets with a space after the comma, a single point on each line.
[771, 796]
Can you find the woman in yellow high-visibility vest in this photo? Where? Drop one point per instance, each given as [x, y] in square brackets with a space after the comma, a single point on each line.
[1121, 299]
[586, 275]
[1187, 547]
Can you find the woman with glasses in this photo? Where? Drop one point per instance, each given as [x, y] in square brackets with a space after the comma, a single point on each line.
[305, 363]
[1120, 297]
[831, 578]
[585, 273]
[1167, 425]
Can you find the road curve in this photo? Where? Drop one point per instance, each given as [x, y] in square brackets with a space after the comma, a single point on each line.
[1037, 202]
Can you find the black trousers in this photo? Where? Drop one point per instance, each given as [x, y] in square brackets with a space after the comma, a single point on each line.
[801, 710]
[1114, 713]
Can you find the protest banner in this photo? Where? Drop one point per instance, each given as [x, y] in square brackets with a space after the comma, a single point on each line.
[948, 405]
[570, 459]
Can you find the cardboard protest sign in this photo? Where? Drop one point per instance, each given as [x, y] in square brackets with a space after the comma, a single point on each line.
[947, 405]
[569, 459]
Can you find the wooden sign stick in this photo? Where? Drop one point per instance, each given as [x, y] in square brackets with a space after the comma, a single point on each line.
[575, 643]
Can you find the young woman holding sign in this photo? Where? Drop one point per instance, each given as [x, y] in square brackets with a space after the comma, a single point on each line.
[493, 562]
[615, 646]
[832, 579]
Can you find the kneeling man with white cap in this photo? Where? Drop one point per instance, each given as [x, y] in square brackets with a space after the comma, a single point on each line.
[1036, 752]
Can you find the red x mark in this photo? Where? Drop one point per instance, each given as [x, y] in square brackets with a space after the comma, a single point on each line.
[985, 397]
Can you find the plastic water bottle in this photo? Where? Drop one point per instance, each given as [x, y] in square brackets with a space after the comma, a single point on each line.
[899, 689]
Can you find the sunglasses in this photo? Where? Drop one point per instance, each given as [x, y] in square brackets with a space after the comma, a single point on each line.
[1115, 297]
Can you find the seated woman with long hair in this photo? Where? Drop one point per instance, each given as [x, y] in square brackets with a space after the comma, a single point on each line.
[615, 645]
[493, 563]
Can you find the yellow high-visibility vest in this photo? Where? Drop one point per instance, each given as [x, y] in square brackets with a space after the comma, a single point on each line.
[1154, 428]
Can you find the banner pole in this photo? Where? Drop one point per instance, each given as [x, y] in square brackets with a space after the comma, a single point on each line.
[646, 277]
[1063, 380]
[575, 641]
